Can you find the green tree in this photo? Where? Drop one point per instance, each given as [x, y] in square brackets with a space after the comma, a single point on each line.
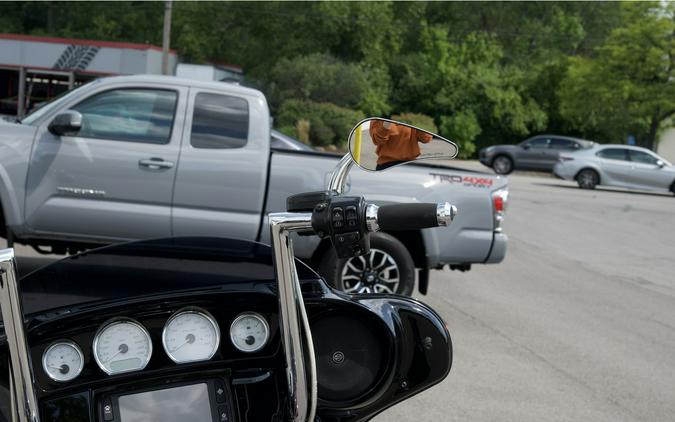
[466, 80]
[628, 87]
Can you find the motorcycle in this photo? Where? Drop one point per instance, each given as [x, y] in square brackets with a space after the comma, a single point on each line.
[137, 331]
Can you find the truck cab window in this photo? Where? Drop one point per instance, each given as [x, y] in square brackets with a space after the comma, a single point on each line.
[132, 115]
[219, 121]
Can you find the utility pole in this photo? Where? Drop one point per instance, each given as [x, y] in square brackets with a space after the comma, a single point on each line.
[166, 37]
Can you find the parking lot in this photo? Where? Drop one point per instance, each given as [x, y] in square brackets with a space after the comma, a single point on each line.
[577, 324]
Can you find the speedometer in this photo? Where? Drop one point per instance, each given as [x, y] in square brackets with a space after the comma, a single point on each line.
[63, 361]
[249, 332]
[122, 345]
[191, 335]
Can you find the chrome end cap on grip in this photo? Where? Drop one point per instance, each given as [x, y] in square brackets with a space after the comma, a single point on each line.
[371, 218]
[445, 213]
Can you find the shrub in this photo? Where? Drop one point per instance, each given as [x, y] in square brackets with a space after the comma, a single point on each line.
[328, 123]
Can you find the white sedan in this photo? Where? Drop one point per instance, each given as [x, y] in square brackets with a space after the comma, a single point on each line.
[616, 165]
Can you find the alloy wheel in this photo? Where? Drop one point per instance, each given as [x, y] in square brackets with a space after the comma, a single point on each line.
[375, 272]
[502, 165]
[587, 179]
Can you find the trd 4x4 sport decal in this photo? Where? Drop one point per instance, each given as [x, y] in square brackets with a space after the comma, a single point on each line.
[475, 181]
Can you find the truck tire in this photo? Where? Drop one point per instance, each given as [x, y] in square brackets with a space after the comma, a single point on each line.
[502, 164]
[588, 179]
[388, 268]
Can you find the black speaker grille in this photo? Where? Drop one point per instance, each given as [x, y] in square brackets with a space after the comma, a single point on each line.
[350, 356]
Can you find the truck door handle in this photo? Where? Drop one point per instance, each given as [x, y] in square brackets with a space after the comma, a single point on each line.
[155, 163]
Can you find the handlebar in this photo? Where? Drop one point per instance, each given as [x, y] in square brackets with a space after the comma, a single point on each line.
[409, 216]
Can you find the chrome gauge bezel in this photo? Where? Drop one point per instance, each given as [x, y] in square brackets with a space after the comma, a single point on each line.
[64, 343]
[114, 321]
[202, 313]
[256, 316]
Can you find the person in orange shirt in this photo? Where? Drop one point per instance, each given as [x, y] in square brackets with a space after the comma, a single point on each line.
[395, 144]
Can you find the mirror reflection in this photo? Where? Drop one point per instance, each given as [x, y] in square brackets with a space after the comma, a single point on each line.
[377, 144]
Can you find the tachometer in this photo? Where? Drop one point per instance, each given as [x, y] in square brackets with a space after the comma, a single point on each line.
[63, 361]
[249, 332]
[191, 335]
[122, 345]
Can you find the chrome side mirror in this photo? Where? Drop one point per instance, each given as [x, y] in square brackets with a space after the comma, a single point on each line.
[376, 144]
[66, 123]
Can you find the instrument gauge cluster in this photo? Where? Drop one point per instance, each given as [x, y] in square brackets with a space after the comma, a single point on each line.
[122, 344]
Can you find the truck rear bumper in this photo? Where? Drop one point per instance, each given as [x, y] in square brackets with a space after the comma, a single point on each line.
[498, 251]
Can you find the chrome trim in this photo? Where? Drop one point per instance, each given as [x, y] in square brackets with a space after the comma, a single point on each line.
[197, 311]
[302, 398]
[66, 343]
[120, 320]
[371, 218]
[338, 177]
[445, 213]
[259, 318]
[80, 191]
[25, 401]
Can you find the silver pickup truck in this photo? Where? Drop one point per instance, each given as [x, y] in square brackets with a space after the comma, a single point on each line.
[137, 157]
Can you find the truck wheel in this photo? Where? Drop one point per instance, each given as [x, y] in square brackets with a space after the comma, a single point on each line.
[587, 179]
[502, 164]
[388, 268]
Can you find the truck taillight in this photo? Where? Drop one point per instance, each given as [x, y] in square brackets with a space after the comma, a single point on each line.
[499, 200]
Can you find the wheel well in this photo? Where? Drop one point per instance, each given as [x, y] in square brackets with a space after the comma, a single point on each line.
[588, 168]
[415, 245]
[411, 239]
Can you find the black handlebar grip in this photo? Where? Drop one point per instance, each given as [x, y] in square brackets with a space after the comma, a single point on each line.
[408, 216]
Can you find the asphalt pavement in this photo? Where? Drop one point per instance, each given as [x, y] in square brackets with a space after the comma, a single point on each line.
[578, 322]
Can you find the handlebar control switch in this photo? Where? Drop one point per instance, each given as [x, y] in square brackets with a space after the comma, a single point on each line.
[342, 219]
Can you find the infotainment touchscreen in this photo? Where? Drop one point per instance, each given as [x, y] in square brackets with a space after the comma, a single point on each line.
[189, 403]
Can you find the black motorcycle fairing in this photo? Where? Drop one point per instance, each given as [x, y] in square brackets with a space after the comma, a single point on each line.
[150, 280]
[151, 267]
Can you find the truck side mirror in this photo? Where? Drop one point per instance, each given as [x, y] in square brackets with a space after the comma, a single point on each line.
[66, 123]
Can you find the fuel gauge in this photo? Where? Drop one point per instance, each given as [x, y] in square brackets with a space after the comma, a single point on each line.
[63, 361]
[249, 332]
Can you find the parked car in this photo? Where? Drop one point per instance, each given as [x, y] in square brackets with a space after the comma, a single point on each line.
[617, 165]
[139, 157]
[537, 153]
